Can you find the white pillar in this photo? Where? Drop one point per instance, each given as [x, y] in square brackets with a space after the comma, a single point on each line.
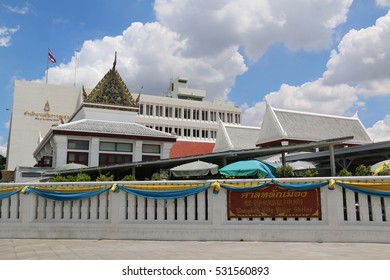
[137, 151]
[94, 152]
[60, 150]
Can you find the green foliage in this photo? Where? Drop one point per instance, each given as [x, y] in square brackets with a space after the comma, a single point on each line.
[311, 172]
[156, 176]
[385, 172]
[2, 162]
[80, 177]
[344, 172]
[105, 177]
[284, 172]
[128, 178]
[363, 170]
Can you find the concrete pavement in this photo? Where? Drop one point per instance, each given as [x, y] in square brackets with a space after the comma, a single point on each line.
[49, 249]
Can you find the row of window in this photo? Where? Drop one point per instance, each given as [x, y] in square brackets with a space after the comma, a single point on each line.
[187, 113]
[187, 132]
[110, 153]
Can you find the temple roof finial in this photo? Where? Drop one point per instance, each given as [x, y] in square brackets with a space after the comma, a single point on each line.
[114, 64]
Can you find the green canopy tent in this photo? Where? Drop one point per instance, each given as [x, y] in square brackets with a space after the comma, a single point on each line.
[246, 168]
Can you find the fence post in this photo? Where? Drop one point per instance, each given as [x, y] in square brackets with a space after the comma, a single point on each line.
[335, 211]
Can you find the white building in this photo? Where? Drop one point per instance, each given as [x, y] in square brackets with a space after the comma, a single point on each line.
[102, 131]
[37, 107]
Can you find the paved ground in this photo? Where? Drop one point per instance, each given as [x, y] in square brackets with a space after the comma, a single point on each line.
[45, 249]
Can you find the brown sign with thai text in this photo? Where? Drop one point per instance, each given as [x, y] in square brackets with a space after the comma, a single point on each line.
[274, 202]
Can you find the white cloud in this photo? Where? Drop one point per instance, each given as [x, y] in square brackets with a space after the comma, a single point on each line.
[341, 90]
[367, 52]
[309, 97]
[255, 25]
[201, 40]
[383, 3]
[380, 130]
[6, 35]
[3, 147]
[18, 10]
[149, 55]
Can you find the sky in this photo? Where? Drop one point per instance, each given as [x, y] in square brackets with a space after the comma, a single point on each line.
[328, 57]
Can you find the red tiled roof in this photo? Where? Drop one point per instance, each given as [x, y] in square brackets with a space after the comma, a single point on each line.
[187, 148]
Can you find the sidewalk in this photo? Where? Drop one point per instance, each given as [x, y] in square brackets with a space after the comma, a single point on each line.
[45, 249]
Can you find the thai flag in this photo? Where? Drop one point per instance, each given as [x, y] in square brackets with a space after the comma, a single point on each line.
[51, 57]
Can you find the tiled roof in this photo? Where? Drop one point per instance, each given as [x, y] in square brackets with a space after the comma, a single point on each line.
[243, 137]
[110, 127]
[284, 124]
[236, 137]
[188, 148]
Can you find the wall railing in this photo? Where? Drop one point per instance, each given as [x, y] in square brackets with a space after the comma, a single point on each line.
[353, 209]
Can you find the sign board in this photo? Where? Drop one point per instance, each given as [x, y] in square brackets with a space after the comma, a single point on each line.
[274, 202]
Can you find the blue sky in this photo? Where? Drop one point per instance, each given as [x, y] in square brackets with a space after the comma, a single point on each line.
[327, 57]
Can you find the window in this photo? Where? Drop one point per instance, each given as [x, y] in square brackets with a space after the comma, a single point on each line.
[187, 114]
[77, 157]
[205, 116]
[178, 113]
[168, 112]
[78, 145]
[149, 110]
[150, 152]
[213, 116]
[195, 114]
[151, 148]
[111, 159]
[141, 109]
[159, 111]
[116, 147]
[115, 153]
[237, 118]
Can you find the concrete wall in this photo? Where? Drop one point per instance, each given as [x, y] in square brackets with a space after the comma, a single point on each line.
[199, 217]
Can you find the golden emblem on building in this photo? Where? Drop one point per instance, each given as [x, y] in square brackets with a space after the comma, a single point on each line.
[47, 107]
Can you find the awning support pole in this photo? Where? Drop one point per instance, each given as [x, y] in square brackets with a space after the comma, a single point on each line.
[332, 161]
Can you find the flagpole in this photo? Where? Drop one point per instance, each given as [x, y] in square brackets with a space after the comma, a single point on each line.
[47, 66]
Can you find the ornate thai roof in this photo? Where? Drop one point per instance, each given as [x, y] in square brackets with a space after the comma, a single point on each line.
[279, 124]
[111, 90]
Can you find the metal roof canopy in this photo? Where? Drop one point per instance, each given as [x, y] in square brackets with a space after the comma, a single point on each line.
[349, 156]
[221, 158]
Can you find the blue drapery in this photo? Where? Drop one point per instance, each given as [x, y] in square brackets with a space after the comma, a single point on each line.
[67, 196]
[364, 190]
[162, 194]
[4, 195]
[295, 187]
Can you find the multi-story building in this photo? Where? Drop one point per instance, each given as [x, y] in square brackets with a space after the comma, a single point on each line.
[184, 113]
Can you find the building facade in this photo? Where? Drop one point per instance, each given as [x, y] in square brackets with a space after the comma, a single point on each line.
[103, 132]
[182, 112]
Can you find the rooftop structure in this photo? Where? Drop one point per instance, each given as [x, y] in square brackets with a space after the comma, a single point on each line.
[288, 127]
[233, 137]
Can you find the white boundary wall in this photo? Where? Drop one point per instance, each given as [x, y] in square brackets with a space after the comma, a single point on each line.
[346, 217]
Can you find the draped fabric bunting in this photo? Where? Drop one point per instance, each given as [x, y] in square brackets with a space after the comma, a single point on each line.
[164, 194]
[67, 194]
[379, 189]
[296, 187]
[7, 192]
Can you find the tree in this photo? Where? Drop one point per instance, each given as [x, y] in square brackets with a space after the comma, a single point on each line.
[2, 162]
[284, 171]
[363, 170]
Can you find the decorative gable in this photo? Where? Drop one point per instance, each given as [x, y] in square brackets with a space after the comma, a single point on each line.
[111, 90]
